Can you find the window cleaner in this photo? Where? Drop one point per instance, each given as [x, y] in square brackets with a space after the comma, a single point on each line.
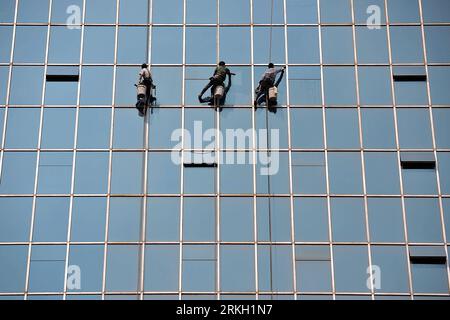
[268, 87]
[146, 90]
[217, 84]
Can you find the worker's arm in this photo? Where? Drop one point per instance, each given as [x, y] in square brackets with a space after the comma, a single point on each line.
[280, 78]
[228, 87]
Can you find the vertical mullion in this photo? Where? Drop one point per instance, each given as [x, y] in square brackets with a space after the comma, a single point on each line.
[430, 107]
[36, 177]
[217, 173]
[397, 141]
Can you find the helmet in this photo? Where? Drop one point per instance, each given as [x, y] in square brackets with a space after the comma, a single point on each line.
[144, 65]
[221, 63]
[271, 65]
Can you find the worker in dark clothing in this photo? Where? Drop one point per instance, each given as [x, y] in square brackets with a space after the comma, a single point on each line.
[145, 78]
[218, 79]
[221, 102]
[268, 81]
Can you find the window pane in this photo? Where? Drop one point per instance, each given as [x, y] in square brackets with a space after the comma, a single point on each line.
[128, 130]
[168, 82]
[101, 11]
[30, 44]
[335, 11]
[308, 170]
[438, 49]
[342, 128]
[47, 268]
[406, 44]
[124, 219]
[64, 45]
[55, 172]
[232, 38]
[442, 127]
[350, 266]
[404, 11]
[313, 265]
[311, 219]
[444, 171]
[199, 268]
[13, 263]
[429, 278]
[122, 268]
[162, 124]
[382, 176]
[90, 261]
[91, 172]
[262, 11]
[229, 14]
[236, 219]
[305, 85]
[131, 47]
[163, 174]
[33, 75]
[414, 128]
[127, 172]
[22, 129]
[7, 12]
[15, 219]
[435, 10]
[94, 128]
[5, 38]
[201, 11]
[348, 220]
[263, 53]
[96, 86]
[167, 11]
[60, 8]
[163, 219]
[61, 93]
[340, 86]
[337, 45]
[385, 220]
[133, 12]
[51, 219]
[419, 181]
[274, 219]
[345, 173]
[99, 44]
[200, 180]
[303, 44]
[372, 45]
[307, 128]
[276, 125]
[392, 263]
[378, 128]
[236, 173]
[88, 220]
[199, 219]
[200, 45]
[274, 177]
[126, 78]
[33, 11]
[275, 268]
[375, 85]
[363, 10]
[237, 267]
[18, 173]
[161, 268]
[439, 76]
[58, 128]
[300, 11]
[424, 222]
[167, 45]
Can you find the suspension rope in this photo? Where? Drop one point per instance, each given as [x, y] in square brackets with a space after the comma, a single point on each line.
[271, 31]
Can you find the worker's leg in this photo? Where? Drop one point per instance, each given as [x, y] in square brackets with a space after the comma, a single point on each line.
[209, 85]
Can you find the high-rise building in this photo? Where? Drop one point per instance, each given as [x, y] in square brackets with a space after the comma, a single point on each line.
[342, 192]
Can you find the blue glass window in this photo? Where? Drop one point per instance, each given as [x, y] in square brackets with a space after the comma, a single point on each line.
[201, 45]
[18, 173]
[308, 171]
[372, 45]
[55, 172]
[90, 261]
[15, 219]
[237, 268]
[33, 11]
[236, 219]
[124, 219]
[406, 43]
[424, 220]
[300, 11]
[439, 76]
[378, 128]
[311, 219]
[91, 172]
[313, 265]
[163, 219]
[99, 44]
[47, 268]
[275, 268]
[382, 175]
[13, 263]
[101, 11]
[51, 219]
[335, 11]
[94, 128]
[163, 174]
[64, 45]
[232, 38]
[229, 14]
[307, 128]
[58, 128]
[304, 44]
[199, 268]
[273, 219]
[263, 53]
[96, 86]
[375, 85]
[167, 45]
[22, 128]
[436, 10]
[128, 130]
[63, 10]
[442, 127]
[33, 75]
[236, 173]
[262, 11]
[404, 11]
[393, 265]
[337, 43]
[305, 85]
[127, 168]
[345, 173]
[131, 47]
[201, 11]
[342, 128]
[350, 266]
[88, 219]
[340, 85]
[272, 178]
[167, 11]
[199, 219]
[4, 74]
[348, 219]
[386, 220]
[444, 171]
[438, 49]
[429, 278]
[414, 128]
[6, 39]
[133, 12]
[161, 268]
[7, 10]
[122, 268]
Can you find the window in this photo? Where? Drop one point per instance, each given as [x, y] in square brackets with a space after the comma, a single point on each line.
[438, 50]
[7, 12]
[128, 130]
[22, 129]
[135, 13]
[372, 45]
[435, 10]
[47, 268]
[131, 47]
[272, 173]
[169, 11]
[161, 268]
[124, 219]
[337, 45]
[308, 171]
[168, 84]
[162, 124]
[261, 36]
[201, 11]
[342, 128]
[262, 11]
[163, 219]
[229, 14]
[378, 128]
[311, 219]
[55, 172]
[273, 219]
[6, 38]
[127, 172]
[348, 220]
[439, 76]
[382, 175]
[275, 268]
[276, 124]
[350, 266]
[236, 219]
[236, 174]
[99, 44]
[406, 44]
[340, 85]
[15, 219]
[167, 45]
[392, 262]
[345, 173]
[385, 220]
[362, 12]
[30, 44]
[424, 221]
[90, 260]
[64, 45]
[313, 265]
[60, 7]
[410, 86]
[240, 94]
[375, 85]
[428, 277]
[122, 268]
[33, 75]
[417, 178]
[58, 129]
[61, 89]
[335, 11]
[303, 11]
[88, 219]
[441, 119]
[101, 11]
[403, 11]
[307, 128]
[163, 174]
[200, 172]
[303, 44]
[18, 173]
[305, 85]
[33, 11]
[96, 86]
[444, 171]
[199, 219]
[199, 268]
[414, 128]
[51, 219]
[237, 268]
[94, 128]
[13, 263]
[201, 45]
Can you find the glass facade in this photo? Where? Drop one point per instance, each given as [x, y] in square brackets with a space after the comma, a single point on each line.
[92, 205]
